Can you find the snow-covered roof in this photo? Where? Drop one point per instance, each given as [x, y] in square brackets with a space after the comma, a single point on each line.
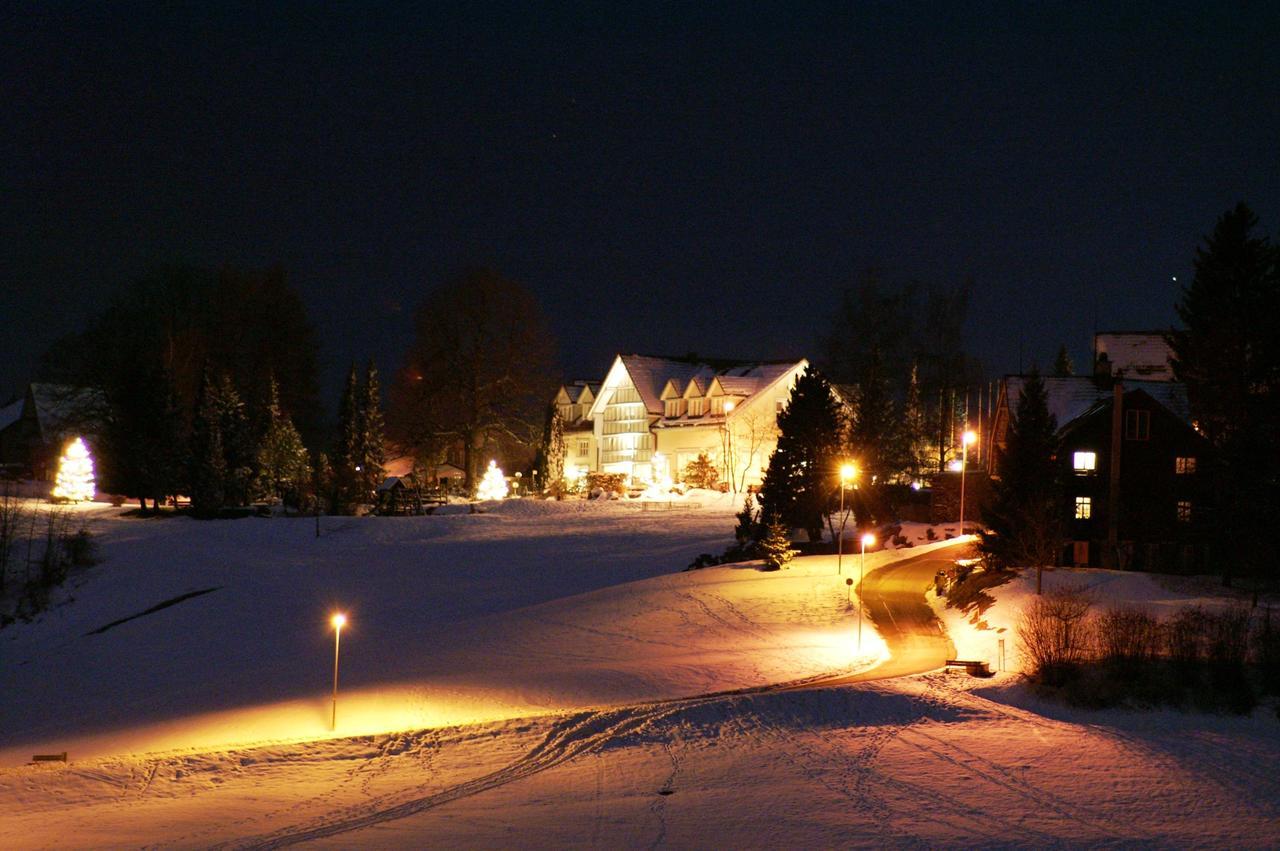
[1072, 396]
[10, 413]
[60, 407]
[1141, 355]
[649, 374]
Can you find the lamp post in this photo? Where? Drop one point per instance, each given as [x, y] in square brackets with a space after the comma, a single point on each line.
[847, 472]
[965, 440]
[862, 564]
[339, 620]
[728, 445]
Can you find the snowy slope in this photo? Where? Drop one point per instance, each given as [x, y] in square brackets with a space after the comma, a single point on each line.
[507, 682]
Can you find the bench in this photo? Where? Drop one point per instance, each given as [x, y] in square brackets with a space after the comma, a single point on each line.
[50, 757]
[973, 668]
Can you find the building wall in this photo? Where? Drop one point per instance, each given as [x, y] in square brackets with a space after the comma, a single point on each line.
[1151, 534]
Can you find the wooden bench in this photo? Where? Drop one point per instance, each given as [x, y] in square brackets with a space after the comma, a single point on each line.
[50, 757]
[973, 668]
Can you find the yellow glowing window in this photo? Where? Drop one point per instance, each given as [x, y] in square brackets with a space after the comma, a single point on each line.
[1184, 466]
[1084, 507]
[1184, 511]
[1084, 463]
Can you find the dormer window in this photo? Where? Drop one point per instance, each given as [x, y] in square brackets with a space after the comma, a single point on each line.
[696, 407]
[1084, 463]
[674, 408]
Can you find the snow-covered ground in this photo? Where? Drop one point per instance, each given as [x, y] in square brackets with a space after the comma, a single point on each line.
[544, 675]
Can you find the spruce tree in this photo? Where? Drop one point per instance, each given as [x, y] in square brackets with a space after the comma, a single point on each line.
[237, 442]
[553, 453]
[875, 433]
[208, 460]
[283, 470]
[1228, 355]
[803, 472]
[370, 449]
[1062, 365]
[1023, 520]
[775, 547]
[915, 427]
[345, 456]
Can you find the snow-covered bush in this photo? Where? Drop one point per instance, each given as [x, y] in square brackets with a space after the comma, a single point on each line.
[776, 546]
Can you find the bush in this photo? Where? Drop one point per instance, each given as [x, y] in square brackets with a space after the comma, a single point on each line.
[607, 482]
[1266, 652]
[1054, 634]
[701, 473]
[1126, 638]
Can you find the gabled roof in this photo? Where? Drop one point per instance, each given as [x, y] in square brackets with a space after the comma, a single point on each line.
[10, 413]
[651, 375]
[59, 407]
[1070, 397]
[697, 386]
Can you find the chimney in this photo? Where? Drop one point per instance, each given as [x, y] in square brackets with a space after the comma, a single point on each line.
[1113, 467]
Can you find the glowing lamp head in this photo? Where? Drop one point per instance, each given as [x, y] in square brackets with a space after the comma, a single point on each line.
[338, 621]
[969, 438]
[868, 540]
[729, 406]
[847, 472]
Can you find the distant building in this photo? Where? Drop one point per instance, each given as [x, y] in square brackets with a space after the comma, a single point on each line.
[574, 401]
[653, 415]
[1141, 355]
[34, 428]
[1132, 466]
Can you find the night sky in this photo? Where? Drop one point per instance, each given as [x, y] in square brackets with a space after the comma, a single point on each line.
[669, 180]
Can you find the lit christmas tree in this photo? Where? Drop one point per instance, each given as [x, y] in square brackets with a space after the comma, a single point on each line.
[75, 474]
[493, 485]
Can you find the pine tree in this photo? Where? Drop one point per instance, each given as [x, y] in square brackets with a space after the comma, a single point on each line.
[776, 545]
[237, 442]
[345, 456]
[875, 433]
[915, 427]
[208, 460]
[370, 449]
[747, 530]
[1023, 520]
[1228, 355]
[1062, 365]
[283, 470]
[553, 453]
[803, 472]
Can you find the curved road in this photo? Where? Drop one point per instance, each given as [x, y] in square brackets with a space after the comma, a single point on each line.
[894, 603]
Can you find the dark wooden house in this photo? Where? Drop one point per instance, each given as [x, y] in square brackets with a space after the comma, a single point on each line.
[1132, 467]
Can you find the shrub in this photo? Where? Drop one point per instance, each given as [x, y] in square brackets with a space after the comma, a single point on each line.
[607, 482]
[1185, 637]
[1054, 634]
[1266, 652]
[1126, 638]
[701, 473]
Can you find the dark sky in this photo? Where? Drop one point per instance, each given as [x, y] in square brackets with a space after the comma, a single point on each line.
[672, 179]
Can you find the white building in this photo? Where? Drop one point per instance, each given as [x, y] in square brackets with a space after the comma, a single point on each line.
[667, 411]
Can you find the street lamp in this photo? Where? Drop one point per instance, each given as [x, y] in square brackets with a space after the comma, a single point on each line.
[967, 438]
[847, 474]
[862, 564]
[339, 620]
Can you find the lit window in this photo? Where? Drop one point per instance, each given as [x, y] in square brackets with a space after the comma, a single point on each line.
[583, 447]
[1184, 511]
[1137, 425]
[1084, 463]
[1184, 466]
[1084, 507]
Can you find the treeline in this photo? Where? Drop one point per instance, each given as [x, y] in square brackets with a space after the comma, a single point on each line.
[206, 385]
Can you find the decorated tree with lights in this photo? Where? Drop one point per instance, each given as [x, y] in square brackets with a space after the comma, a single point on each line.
[494, 483]
[74, 482]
